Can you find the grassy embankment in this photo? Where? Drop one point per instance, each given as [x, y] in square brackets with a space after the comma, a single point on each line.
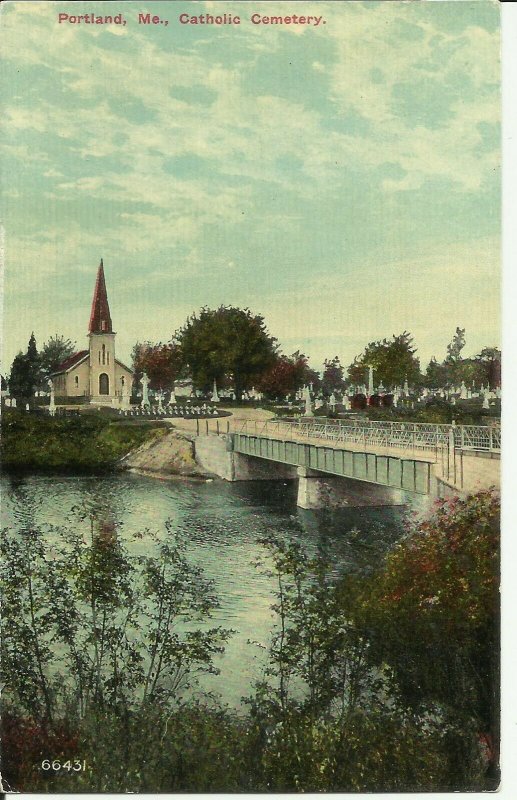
[85, 443]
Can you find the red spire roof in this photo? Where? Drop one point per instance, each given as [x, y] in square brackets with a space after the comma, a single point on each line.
[100, 320]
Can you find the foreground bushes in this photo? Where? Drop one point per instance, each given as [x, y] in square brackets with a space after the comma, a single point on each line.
[387, 682]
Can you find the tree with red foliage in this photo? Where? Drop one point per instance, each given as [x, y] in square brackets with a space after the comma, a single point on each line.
[287, 376]
[432, 616]
[161, 362]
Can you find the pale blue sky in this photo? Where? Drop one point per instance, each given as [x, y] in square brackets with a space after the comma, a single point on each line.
[341, 180]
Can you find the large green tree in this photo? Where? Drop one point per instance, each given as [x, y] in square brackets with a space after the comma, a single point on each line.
[484, 368]
[56, 350]
[393, 360]
[456, 345]
[229, 345]
[489, 366]
[436, 375]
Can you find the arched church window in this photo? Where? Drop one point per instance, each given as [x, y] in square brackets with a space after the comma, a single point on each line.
[123, 381]
[99, 356]
[103, 353]
[108, 356]
[77, 381]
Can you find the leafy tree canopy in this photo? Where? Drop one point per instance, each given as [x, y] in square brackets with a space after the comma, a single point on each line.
[484, 368]
[229, 345]
[439, 594]
[456, 345]
[56, 350]
[393, 360]
[287, 375]
[162, 362]
[332, 379]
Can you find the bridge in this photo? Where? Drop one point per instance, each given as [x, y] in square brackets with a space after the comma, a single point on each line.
[364, 462]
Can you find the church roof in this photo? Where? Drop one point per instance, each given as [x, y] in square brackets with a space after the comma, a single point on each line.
[71, 361]
[121, 364]
[100, 319]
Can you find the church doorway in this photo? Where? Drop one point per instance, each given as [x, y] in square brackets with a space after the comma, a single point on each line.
[104, 383]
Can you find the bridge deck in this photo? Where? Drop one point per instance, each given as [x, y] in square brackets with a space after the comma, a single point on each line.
[383, 469]
[453, 453]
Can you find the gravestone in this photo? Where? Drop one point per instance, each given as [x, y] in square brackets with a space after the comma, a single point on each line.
[52, 403]
[308, 402]
[145, 391]
[370, 381]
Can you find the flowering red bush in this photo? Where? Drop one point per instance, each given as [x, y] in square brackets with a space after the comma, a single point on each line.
[432, 615]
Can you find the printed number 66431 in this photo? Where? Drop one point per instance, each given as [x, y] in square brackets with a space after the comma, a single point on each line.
[75, 766]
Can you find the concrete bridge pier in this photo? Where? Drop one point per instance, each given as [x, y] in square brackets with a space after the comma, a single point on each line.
[320, 490]
[216, 455]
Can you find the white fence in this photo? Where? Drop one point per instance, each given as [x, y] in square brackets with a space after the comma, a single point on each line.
[408, 436]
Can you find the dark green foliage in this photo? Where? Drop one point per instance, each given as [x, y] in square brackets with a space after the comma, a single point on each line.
[82, 443]
[332, 379]
[393, 360]
[438, 412]
[456, 346]
[228, 345]
[484, 369]
[26, 373]
[56, 350]
[93, 625]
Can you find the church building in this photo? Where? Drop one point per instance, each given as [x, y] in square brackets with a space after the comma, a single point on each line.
[95, 374]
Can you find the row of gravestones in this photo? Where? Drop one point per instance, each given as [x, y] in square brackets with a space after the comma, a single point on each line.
[171, 411]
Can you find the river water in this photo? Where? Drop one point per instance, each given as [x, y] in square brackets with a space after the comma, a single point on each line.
[223, 523]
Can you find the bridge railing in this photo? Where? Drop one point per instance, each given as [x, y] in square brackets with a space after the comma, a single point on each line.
[406, 436]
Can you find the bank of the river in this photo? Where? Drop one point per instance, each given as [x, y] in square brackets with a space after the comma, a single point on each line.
[165, 456]
[101, 442]
[79, 444]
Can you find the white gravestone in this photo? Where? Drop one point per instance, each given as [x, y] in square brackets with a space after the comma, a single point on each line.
[145, 391]
[52, 403]
[308, 402]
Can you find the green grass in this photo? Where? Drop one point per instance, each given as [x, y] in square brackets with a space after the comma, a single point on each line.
[86, 443]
